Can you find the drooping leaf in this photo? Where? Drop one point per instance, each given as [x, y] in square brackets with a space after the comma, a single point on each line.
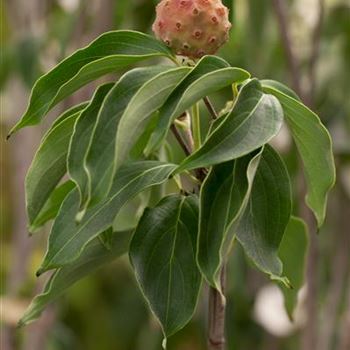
[108, 53]
[162, 252]
[52, 205]
[314, 144]
[94, 256]
[255, 119]
[273, 84]
[80, 141]
[293, 252]
[48, 166]
[146, 101]
[100, 156]
[139, 148]
[262, 225]
[68, 239]
[209, 75]
[223, 197]
[73, 110]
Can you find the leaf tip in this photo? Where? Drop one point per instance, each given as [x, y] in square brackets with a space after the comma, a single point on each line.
[164, 343]
[14, 129]
[40, 271]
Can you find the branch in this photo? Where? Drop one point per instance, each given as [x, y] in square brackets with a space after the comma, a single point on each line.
[315, 53]
[210, 108]
[216, 315]
[180, 140]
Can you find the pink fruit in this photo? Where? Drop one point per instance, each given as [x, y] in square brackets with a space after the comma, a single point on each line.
[192, 28]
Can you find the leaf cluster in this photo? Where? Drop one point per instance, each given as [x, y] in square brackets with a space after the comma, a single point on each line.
[233, 186]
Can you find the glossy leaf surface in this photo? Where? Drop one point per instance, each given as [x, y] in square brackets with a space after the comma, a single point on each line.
[108, 53]
[52, 205]
[68, 239]
[208, 76]
[255, 119]
[80, 141]
[48, 166]
[148, 100]
[162, 252]
[261, 228]
[100, 155]
[314, 145]
[223, 197]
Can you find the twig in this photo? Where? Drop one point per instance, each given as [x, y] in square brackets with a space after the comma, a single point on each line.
[216, 315]
[185, 117]
[210, 108]
[281, 13]
[181, 141]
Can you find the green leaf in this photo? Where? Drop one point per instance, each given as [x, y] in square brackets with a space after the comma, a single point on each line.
[255, 119]
[68, 239]
[209, 75]
[52, 205]
[276, 85]
[293, 252]
[139, 149]
[73, 110]
[162, 252]
[94, 256]
[315, 147]
[100, 156]
[48, 166]
[223, 197]
[146, 101]
[110, 52]
[80, 141]
[262, 225]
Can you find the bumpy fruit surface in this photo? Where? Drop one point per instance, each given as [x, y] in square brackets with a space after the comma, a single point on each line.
[192, 28]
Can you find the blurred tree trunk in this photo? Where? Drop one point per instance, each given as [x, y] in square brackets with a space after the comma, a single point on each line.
[25, 22]
[309, 338]
[344, 342]
[340, 265]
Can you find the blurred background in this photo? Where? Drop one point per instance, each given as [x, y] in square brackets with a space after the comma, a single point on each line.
[302, 43]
